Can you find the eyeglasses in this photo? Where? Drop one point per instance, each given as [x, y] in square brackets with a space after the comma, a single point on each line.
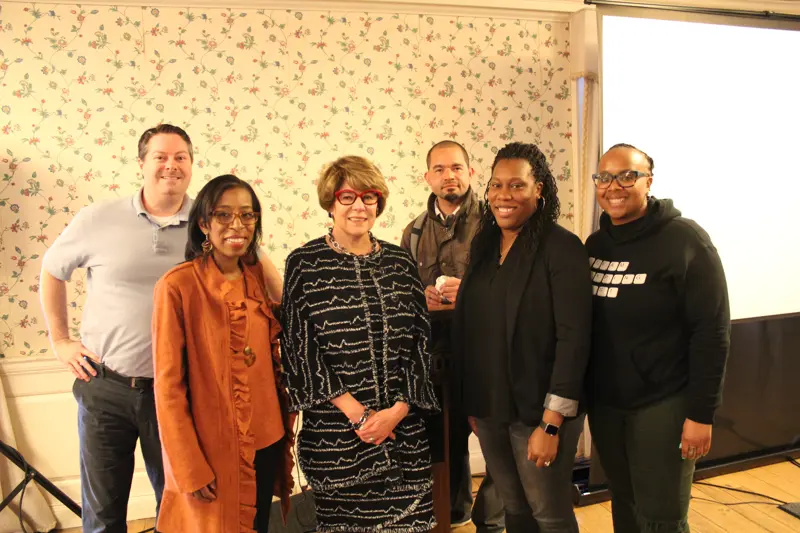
[625, 179]
[348, 196]
[226, 218]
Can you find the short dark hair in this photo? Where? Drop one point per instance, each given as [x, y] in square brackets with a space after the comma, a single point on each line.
[164, 128]
[443, 144]
[632, 147]
[204, 204]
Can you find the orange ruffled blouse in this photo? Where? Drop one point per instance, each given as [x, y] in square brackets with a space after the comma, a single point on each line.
[214, 411]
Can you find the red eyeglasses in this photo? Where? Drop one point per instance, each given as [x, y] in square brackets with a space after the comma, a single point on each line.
[348, 196]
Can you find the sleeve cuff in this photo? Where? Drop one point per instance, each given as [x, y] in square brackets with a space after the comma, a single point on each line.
[563, 406]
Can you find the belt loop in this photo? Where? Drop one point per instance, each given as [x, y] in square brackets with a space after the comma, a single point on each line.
[133, 383]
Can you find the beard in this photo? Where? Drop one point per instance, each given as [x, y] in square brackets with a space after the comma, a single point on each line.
[453, 197]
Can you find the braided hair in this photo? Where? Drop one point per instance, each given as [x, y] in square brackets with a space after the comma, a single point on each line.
[487, 239]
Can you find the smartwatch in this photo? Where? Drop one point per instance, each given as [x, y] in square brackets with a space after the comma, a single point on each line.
[550, 429]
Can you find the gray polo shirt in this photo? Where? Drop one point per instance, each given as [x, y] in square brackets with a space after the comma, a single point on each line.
[125, 252]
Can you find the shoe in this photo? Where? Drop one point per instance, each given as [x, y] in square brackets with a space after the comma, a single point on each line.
[460, 523]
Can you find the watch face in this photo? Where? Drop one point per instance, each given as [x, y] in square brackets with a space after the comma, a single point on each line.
[550, 429]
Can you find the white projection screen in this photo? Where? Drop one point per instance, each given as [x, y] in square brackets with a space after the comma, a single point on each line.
[717, 106]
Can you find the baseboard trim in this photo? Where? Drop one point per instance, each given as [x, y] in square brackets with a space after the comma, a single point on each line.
[139, 507]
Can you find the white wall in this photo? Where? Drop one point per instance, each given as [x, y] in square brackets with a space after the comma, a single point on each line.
[44, 417]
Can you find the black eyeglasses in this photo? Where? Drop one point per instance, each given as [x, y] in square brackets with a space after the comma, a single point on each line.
[348, 196]
[248, 218]
[625, 179]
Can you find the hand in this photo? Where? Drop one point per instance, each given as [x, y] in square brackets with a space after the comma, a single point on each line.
[433, 298]
[472, 424]
[542, 448]
[71, 353]
[450, 289]
[380, 426]
[695, 440]
[208, 493]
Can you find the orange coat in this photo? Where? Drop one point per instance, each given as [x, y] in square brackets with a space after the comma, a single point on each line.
[206, 398]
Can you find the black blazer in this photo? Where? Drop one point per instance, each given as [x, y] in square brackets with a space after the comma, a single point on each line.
[549, 324]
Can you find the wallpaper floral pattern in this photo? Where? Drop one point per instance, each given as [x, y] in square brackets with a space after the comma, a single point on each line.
[270, 96]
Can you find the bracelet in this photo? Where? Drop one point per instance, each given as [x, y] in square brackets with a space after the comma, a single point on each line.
[358, 425]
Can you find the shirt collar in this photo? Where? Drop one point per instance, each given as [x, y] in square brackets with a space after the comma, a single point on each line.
[183, 214]
[439, 213]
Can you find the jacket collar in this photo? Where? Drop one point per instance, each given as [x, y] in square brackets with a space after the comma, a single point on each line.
[211, 276]
[467, 208]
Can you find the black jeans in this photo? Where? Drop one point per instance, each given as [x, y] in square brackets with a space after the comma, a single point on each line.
[535, 499]
[651, 484]
[487, 512]
[267, 462]
[111, 418]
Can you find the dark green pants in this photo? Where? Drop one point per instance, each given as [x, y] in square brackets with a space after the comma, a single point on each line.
[650, 483]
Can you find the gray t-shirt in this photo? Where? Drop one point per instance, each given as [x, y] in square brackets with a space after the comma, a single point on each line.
[125, 251]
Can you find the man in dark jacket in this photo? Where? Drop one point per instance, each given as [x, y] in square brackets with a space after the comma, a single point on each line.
[439, 240]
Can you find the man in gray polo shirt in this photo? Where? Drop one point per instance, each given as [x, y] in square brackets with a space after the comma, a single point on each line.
[126, 245]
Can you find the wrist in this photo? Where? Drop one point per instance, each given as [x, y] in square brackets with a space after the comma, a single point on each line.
[400, 409]
[358, 423]
[355, 414]
[552, 417]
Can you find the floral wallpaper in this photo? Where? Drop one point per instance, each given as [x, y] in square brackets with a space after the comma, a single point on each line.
[270, 96]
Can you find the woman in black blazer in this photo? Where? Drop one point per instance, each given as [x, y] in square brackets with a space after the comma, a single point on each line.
[522, 329]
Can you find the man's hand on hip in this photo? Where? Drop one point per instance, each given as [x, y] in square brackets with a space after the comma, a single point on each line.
[71, 353]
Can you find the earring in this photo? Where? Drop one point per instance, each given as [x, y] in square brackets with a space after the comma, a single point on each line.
[207, 246]
[544, 202]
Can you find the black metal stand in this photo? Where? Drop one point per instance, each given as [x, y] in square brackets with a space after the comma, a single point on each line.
[31, 474]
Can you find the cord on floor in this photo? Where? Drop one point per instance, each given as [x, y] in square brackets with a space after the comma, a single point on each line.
[775, 501]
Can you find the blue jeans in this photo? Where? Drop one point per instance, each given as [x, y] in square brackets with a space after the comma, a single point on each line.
[111, 418]
[535, 499]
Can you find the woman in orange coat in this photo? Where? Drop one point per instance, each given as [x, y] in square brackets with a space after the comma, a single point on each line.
[225, 432]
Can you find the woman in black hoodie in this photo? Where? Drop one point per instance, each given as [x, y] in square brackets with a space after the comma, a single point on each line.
[660, 336]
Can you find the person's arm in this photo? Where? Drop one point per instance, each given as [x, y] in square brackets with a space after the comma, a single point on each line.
[186, 462]
[568, 272]
[68, 252]
[272, 278]
[71, 352]
[570, 280]
[707, 317]
[309, 380]
[413, 380]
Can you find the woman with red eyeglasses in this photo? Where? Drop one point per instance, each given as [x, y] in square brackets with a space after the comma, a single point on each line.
[355, 354]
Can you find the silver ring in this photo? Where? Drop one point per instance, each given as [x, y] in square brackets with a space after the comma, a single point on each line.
[547, 463]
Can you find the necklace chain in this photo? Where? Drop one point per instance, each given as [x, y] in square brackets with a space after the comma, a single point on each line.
[341, 249]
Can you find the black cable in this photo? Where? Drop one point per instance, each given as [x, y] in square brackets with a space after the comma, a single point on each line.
[733, 503]
[740, 490]
[147, 530]
[794, 461]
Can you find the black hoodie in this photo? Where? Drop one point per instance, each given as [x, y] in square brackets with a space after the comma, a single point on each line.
[661, 315]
